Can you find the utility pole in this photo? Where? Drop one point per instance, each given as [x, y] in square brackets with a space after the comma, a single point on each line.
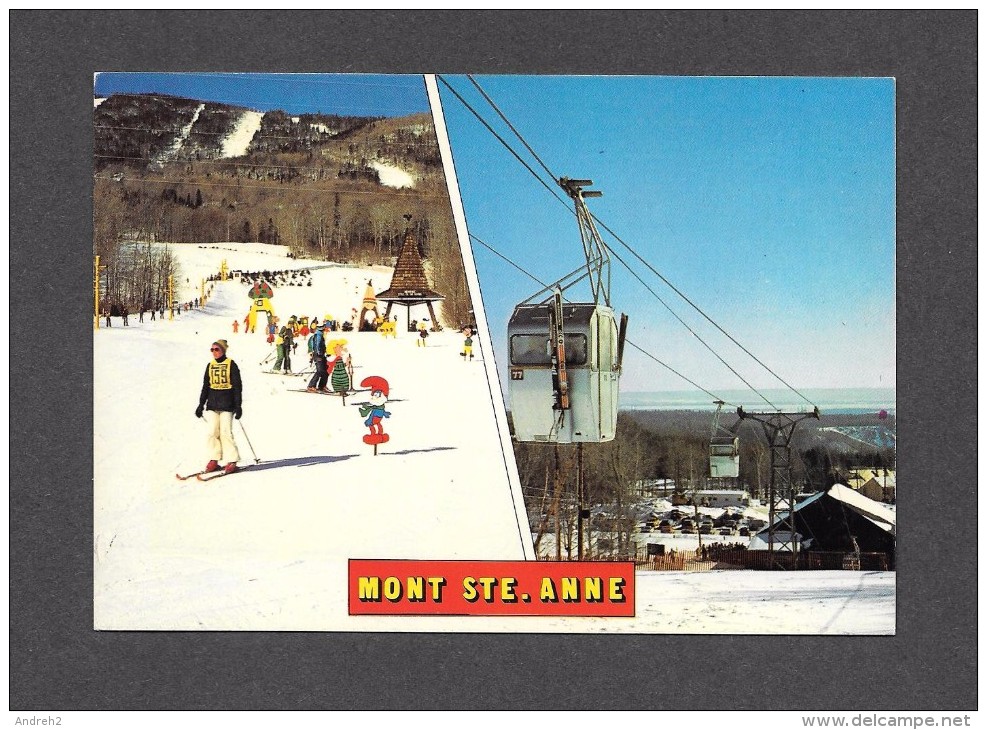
[96, 268]
[582, 512]
[555, 506]
[779, 428]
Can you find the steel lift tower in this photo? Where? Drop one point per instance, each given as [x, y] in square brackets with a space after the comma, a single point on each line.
[779, 428]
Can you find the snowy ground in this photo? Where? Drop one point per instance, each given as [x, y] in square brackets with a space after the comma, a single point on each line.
[243, 132]
[267, 549]
[728, 602]
[759, 602]
[172, 151]
[393, 177]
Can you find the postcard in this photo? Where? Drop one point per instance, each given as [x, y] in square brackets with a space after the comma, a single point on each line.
[494, 354]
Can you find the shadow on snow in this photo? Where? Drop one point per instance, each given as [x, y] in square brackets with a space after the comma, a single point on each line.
[416, 451]
[299, 461]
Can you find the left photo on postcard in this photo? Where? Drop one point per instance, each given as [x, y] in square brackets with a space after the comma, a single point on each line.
[288, 371]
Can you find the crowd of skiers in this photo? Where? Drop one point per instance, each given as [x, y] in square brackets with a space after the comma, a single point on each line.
[288, 277]
[221, 395]
[287, 336]
[123, 312]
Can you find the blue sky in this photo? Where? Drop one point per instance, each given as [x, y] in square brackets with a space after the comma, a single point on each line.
[346, 94]
[770, 202]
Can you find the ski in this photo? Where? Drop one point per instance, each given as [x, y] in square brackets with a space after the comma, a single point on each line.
[204, 477]
[333, 392]
[181, 478]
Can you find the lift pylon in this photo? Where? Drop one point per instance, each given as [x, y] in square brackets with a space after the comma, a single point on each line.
[779, 428]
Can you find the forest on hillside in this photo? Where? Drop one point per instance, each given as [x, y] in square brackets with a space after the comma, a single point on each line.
[311, 183]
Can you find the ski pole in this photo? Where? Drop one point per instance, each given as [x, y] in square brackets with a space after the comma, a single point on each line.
[256, 460]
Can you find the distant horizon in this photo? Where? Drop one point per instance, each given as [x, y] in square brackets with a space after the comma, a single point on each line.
[827, 388]
[830, 401]
[827, 400]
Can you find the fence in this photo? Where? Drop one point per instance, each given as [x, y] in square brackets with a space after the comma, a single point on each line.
[726, 559]
[762, 560]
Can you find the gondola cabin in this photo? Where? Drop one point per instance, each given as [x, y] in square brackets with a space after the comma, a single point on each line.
[724, 456]
[588, 412]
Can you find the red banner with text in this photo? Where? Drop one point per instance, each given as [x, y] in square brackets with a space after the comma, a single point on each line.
[490, 588]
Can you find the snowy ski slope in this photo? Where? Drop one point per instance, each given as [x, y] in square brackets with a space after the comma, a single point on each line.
[238, 141]
[267, 549]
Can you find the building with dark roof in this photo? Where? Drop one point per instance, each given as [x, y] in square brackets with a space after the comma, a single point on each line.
[409, 284]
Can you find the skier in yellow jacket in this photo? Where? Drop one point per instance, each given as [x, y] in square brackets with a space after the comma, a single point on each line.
[221, 399]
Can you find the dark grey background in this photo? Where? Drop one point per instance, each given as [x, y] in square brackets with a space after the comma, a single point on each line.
[58, 662]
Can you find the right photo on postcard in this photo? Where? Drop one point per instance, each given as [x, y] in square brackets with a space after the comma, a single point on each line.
[689, 283]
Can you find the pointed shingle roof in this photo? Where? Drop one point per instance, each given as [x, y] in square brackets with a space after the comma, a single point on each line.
[409, 283]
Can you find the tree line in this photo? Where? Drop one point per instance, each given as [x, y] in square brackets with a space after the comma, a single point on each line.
[346, 226]
[668, 445]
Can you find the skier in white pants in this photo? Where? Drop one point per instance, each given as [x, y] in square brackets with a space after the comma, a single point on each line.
[221, 398]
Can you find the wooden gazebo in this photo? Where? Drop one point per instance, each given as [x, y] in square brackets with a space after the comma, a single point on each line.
[409, 285]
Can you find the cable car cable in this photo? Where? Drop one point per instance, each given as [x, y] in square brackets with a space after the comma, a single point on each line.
[508, 123]
[676, 372]
[655, 294]
[629, 342]
[621, 260]
[618, 238]
[504, 142]
[497, 253]
[692, 331]
[698, 309]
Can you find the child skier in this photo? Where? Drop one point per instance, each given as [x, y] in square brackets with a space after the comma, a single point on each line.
[340, 368]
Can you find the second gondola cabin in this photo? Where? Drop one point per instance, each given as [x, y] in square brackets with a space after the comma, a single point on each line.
[591, 371]
[724, 456]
